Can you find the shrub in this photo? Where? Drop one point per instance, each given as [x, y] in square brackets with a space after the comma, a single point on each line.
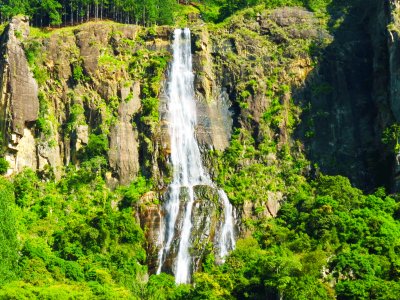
[4, 165]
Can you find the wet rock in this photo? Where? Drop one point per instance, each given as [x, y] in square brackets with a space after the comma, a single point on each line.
[214, 123]
[212, 103]
[206, 218]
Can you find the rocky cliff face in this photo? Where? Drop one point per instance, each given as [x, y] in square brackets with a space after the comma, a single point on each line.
[85, 87]
[103, 83]
[393, 46]
[239, 74]
[99, 89]
[352, 98]
[92, 80]
[19, 104]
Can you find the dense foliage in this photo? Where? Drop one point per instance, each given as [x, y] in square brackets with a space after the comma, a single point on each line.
[56, 12]
[145, 12]
[217, 10]
[76, 238]
[328, 239]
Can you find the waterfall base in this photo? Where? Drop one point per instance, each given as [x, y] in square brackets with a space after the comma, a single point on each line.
[208, 219]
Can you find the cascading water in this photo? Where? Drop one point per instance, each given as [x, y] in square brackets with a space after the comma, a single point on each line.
[188, 169]
[227, 238]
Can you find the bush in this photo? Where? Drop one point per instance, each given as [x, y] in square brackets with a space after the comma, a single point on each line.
[4, 165]
[8, 233]
[78, 74]
[97, 146]
[137, 188]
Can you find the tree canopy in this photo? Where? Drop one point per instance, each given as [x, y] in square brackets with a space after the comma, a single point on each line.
[56, 12]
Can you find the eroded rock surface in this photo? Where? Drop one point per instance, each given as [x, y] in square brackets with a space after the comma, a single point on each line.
[19, 105]
[19, 88]
[123, 154]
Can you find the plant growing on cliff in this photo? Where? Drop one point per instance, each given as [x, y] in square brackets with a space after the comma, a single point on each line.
[76, 117]
[4, 165]
[391, 137]
[97, 147]
[78, 74]
[133, 193]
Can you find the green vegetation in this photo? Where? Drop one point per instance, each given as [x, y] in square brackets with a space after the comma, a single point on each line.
[73, 240]
[76, 235]
[8, 233]
[4, 165]
[146, 12]
[78, 74]
[391, 137]
[33, 52]
[218, 10]
[95, 152]
[56, 12]
[328, 239]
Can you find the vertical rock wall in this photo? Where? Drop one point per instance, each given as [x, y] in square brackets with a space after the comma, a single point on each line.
[352, 98]
[393, 44]
[19, 104]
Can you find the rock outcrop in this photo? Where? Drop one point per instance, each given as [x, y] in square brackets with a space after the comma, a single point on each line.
[90, 83]
[213, 104]
[19, 104]
[123, 154]
[19, 88]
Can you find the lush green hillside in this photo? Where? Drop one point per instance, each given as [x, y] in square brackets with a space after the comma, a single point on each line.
[328, 241]
[76, 238]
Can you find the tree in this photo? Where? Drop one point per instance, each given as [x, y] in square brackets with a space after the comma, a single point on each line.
[8, 233]
[4, 165]
[391, 137]
[10, 8]
[51, 8]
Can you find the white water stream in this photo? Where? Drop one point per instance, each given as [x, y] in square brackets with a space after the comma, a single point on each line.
[188, 169]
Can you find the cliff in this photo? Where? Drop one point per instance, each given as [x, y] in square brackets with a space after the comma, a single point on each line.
[19, 104]
[95, 95]
[99, 92]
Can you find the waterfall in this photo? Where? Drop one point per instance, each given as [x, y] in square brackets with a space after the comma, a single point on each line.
[227, 238]
[188, 169]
